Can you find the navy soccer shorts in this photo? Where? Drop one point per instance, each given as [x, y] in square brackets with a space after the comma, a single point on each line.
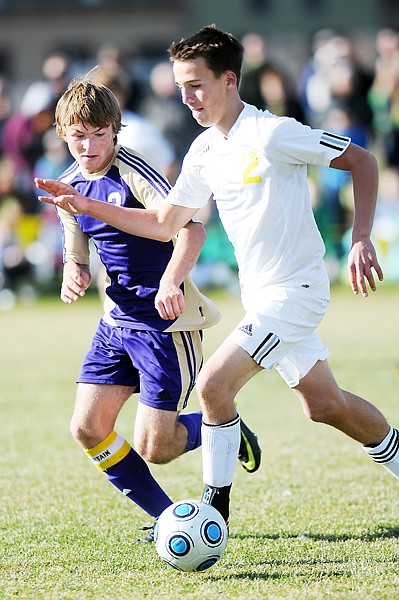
[162, 366]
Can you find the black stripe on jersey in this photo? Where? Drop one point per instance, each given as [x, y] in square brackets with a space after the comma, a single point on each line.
[330, 146]
[335, 136]
[145, 170]
[390, 450]
[331, 140]
[270, 342]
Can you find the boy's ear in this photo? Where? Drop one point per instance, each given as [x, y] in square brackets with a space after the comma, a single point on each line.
[230, 78]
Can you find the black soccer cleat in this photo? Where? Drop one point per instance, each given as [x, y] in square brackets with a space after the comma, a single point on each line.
[219, 498]
[148, 538]
[249, 453]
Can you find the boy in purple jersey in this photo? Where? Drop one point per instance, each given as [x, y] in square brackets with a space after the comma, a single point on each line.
[150, 337]
[255, 166]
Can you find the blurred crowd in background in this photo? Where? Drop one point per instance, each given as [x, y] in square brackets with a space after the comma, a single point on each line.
[334, 91]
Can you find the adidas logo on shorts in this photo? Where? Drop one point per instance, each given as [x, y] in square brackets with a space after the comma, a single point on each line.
[246, 329]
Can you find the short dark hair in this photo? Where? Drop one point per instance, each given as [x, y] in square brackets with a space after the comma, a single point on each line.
[222, 51]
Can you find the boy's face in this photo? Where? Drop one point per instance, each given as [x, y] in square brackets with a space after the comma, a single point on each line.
[91, 147]
[209, 98]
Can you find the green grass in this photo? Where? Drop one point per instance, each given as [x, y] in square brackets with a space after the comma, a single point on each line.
[318, 520]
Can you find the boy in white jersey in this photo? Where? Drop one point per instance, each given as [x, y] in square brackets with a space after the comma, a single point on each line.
[255, 166]
[149, 340]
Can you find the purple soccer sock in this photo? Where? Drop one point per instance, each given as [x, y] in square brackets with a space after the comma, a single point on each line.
[192, 422]
[132, 477]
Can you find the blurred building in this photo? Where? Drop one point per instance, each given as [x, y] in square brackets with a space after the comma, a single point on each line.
[328, 63]
[31, 29]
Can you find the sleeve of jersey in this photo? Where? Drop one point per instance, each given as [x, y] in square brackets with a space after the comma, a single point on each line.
[190, 190]
[75, 242]
[293, 143]
[148, 190]
[147, 184]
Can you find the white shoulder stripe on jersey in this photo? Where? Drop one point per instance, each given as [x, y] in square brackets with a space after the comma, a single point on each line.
[70, 173]
[145, 170]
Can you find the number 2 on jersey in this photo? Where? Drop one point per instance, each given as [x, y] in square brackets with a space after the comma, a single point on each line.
[251, 161]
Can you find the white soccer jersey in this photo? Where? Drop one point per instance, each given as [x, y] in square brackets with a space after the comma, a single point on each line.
[258, 178]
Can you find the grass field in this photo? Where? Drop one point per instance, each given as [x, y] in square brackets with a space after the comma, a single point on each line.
[318, 520]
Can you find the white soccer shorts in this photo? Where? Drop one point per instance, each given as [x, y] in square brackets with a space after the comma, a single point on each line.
[282, 335]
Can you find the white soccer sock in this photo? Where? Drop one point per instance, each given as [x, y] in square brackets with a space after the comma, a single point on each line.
[220, 446]
[387, 452]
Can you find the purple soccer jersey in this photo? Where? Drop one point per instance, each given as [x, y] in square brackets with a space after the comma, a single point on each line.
[134, 264]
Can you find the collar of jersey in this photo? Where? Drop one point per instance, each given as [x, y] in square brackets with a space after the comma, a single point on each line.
[240, 117]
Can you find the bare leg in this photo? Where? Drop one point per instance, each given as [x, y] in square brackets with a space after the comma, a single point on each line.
[96, 410]
[158, 435]
[228, 369]
[324, 402]
[221, 378]
[92, 426]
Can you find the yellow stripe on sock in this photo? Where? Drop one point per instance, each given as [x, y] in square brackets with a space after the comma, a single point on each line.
[102, 445]
[109, 452]
[118, 456]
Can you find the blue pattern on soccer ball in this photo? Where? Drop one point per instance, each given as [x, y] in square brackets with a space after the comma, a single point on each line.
[213, 532]
[179, 545]
[207, 564]
[190, 536]
[184, 510]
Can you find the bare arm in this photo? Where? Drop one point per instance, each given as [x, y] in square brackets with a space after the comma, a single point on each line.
[158, 225]
[169, 300]
[362, 256]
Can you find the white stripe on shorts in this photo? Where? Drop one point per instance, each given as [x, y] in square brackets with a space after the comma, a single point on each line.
[270, 342]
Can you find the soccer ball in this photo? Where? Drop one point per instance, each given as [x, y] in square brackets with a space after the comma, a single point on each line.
[190, 535]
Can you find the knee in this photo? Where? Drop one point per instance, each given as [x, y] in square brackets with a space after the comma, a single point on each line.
[77, 433]
[203, 385]
[211, 387]
[75, 430]
[313, 413]
[216, 397]
[152, 452]
[83, 434]
[327, 412]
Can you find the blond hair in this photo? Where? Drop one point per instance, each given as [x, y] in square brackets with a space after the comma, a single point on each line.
[89, 102]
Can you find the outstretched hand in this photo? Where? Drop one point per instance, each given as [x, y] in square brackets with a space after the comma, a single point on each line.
[361, 260]
[61, 194]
